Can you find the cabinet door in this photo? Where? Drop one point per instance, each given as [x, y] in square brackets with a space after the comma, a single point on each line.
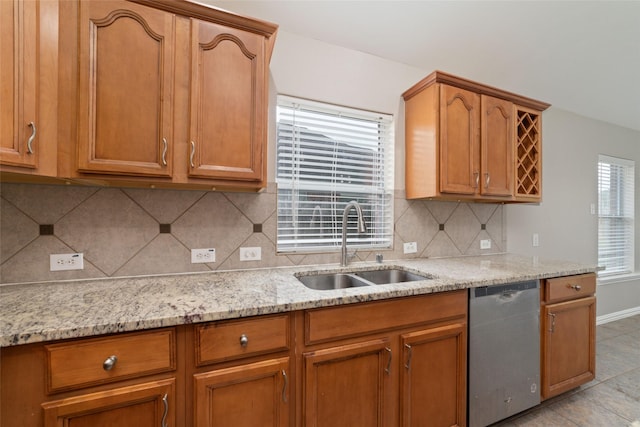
[433, 377]
[497, 143]
[244, 396]
[145, 405]
[568, 345]
[228, 103]
[18, 83]
[348, 385]
[125, 89]
[459, 140]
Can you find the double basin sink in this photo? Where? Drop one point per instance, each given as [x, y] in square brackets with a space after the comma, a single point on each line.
[359, 278]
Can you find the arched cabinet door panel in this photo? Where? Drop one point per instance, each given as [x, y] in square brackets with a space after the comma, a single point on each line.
[228, 103]
[126, 75]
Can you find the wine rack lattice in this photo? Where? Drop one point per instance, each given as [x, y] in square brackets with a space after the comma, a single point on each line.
[528, 180]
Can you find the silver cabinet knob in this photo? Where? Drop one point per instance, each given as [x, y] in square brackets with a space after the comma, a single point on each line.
[244, 340]
[109, 363]
[575, 287]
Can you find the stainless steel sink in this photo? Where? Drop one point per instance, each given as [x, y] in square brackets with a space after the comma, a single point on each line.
[383, 277]
[358, 278]
[332, 281]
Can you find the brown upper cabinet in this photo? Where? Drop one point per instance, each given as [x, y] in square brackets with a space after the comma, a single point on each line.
[169, 93]
[28, 46]
[465, 140]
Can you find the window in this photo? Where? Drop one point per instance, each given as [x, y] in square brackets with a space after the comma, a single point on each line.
[615, 215]
[328, 156]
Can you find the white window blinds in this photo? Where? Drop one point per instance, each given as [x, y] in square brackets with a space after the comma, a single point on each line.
[615, 215]
[326, 157]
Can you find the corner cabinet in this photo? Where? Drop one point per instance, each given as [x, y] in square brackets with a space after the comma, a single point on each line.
[568, 323]
[469, 141]
[170, 94]
[28, 71]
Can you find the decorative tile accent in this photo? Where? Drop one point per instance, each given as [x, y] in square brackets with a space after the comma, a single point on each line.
[257, 228]
[109, 228]
[165, 228]
[46, 229]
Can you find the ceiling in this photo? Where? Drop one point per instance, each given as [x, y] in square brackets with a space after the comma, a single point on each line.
[580, 56]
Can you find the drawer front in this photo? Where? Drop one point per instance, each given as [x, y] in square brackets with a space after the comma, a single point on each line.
[220, 341]
[77, 364]
[570, 287]
[332, 323]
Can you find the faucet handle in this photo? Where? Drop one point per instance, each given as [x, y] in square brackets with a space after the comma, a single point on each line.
[379, 258]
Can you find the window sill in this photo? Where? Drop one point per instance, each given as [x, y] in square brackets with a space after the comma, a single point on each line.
[611, 280]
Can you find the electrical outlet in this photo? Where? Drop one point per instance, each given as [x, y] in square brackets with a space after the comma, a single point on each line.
[251, 254]
[485, 244]
[410, 247]
[535, 240]
[59, 262]
[203, 255]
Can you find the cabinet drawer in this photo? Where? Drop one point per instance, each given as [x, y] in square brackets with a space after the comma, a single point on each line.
[76, 364]
[219, 341]
[569, 287]
[332, 323]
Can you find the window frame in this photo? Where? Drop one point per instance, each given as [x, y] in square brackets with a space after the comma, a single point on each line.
[334, 180]
[623, 218]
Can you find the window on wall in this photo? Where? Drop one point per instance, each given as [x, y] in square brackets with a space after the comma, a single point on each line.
[328, 156]
[615, 215]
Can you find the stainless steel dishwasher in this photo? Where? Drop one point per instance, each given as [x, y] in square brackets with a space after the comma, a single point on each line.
[504, 351]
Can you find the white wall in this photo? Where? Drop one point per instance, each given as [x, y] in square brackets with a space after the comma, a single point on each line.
[311, 69]
[563, 220]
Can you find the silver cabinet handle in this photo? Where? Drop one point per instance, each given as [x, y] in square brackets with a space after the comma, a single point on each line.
[285, 386]
[477, 175]
[31, 138]
[388, 368]
[165, 402]
[165, 146]
[575, 287]
[553, 323]
[244, 340]
[487, 179]
[109, 363]
[408, 364]
[193, 153]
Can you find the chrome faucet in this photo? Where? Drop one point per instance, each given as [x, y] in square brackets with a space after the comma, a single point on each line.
[362, 227]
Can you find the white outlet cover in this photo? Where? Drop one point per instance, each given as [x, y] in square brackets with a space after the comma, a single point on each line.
[203, 255]
[410, 247]
[251, 254]
[485, 244]
[61, 262]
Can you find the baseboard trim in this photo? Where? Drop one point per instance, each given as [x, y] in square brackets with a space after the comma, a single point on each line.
[612, 317]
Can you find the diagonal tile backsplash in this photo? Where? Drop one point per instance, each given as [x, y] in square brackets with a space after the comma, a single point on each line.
[125, 232]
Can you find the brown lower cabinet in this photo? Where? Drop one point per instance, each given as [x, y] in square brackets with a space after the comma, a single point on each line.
[385, 363]
[396, 362]
[568, 324]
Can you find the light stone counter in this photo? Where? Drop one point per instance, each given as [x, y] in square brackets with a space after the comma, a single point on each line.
[56, 310]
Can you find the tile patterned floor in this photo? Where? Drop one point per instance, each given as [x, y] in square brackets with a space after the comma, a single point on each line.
[612, 399]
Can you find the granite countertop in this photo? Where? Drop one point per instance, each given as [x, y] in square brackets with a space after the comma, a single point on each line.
[57, 310]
